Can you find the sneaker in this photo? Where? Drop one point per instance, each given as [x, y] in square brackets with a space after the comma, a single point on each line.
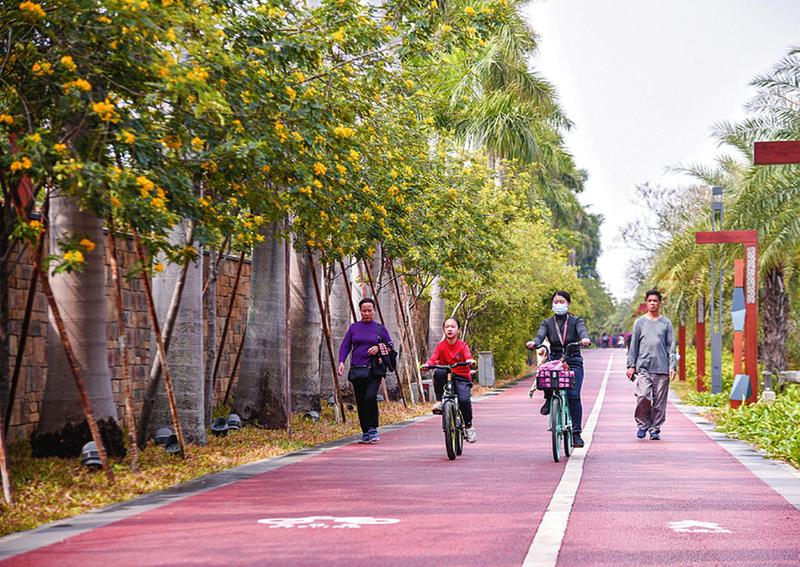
[373, 436]
[640, 433]
[577, 440]
[437, 408]
[471, 435]
[655, 436]
[545, 409]
[365, 438]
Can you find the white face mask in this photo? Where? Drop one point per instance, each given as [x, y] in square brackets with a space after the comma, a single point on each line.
[560, 308]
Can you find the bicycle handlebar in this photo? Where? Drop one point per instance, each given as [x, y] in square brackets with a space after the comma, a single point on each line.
[446, 366]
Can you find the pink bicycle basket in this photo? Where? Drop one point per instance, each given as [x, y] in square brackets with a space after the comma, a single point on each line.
[554, 376]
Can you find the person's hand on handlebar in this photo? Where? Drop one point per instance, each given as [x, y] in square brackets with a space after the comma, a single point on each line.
[585, 342]
[530, 345]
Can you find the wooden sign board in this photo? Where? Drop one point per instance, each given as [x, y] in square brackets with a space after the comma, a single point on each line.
[775, 153]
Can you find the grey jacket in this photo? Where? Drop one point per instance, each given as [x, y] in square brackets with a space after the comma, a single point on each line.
[652, 346]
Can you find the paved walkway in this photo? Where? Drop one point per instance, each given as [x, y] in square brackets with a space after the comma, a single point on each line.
[685, 500]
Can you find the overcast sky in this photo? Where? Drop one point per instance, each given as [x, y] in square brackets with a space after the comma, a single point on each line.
[644, 81]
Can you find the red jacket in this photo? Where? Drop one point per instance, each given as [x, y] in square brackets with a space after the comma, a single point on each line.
[445, 353]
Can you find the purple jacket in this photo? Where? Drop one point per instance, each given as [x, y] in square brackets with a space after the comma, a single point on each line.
[359, 338]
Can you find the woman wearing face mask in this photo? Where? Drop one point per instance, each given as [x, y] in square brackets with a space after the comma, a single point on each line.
[561, 329]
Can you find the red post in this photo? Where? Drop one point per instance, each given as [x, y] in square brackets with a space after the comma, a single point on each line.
[751, 317]
[700, 343]
[738, 335]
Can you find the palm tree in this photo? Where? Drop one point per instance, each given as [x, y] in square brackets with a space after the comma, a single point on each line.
[82, 300]
[261, 388]
[185, 355]
[769, 197]
[306, 328]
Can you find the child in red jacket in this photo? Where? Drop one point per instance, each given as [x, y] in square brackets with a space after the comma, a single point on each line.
[450, 351]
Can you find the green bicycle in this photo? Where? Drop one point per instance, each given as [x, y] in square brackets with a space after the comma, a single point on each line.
[553, 375]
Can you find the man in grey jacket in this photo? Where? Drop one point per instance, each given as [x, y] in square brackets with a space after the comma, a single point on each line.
[651, 364]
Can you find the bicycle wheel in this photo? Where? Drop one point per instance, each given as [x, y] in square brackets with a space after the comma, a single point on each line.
[556, 426]
[567, 420]
[449, 426]
[459, 433]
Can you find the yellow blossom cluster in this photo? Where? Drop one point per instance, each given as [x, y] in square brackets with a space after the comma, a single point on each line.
[75, 256]
[296, 135]
[320, 169]
[105, 110]
[145, 186]
[198, 74]
[68, 63]
[42, 68]
[343, 132]
[80, 84]
[158, 267]
[469, 11]
[280, 131]
[127, 137]
[6, 119]
[291, 93]
[338, 36]
[21, 164]
[198, 143]
[32, 9]
[172, 142]
[60, 148]
[87, 244]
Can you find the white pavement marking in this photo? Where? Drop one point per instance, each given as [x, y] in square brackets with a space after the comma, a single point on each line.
[547, 541]
[695, 527]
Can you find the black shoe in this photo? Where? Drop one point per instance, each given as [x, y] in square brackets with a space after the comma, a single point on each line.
[545, 409]
[577, 440]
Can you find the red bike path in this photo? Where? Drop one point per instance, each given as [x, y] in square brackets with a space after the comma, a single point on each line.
[681, 501]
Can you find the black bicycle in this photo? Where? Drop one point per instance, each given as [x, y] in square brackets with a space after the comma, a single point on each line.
[452, 420]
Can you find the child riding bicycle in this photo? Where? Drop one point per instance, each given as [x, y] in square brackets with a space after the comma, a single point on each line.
[449, 351]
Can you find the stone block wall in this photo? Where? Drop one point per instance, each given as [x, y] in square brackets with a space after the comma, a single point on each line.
[25, 413]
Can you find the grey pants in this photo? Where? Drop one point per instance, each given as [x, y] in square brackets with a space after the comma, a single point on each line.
[651, 391]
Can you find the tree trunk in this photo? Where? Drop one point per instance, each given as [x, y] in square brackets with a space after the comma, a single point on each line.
[436, 317]
[306, 336]
[82, 300]
[80, 383]
[162, 352]
[338, 306]
[261, 388]
[210, 298]
[122, 342]
[341, 417]
[154, 379]
[185, 355]
[775, 306]
[7, 387]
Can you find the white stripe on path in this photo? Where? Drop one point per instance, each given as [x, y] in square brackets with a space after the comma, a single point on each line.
[547, 541]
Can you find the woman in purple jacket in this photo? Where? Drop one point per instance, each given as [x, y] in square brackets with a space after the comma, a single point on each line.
[366, 370]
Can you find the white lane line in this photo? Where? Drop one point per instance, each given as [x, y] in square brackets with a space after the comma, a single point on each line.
[547, 541]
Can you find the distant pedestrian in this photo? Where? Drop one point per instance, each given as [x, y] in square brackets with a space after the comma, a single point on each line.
[363, 339]
[651, 365]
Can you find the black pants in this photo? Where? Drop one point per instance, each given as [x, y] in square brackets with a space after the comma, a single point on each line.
[463, 391]
[574, 399]
[366, 390]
